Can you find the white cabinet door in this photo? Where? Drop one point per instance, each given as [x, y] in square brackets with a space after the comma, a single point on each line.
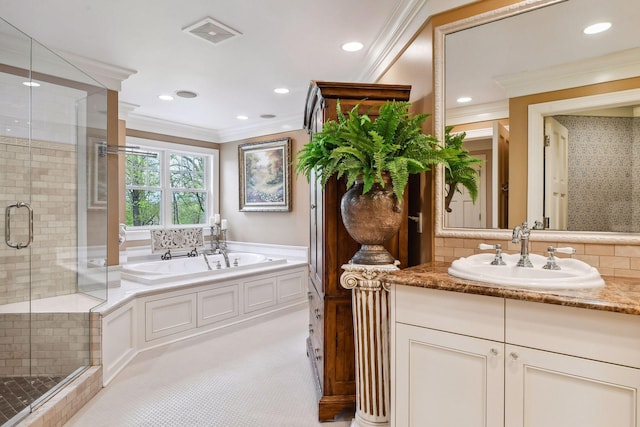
[447, 380]
[544, 389]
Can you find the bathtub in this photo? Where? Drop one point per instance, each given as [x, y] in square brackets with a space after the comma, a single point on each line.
[153, 272]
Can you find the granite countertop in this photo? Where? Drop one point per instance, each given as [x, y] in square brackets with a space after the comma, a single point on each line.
[621, 295]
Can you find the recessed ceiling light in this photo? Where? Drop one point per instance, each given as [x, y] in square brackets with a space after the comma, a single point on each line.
[31, 84]
[352, 46]
[267, 116]
[166, 97]
[186, 94]
[242, 117]
[464, 99]
[281, 90]
[597, 28]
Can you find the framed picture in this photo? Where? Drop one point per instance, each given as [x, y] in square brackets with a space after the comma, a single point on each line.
[265, 176]
[97, 174]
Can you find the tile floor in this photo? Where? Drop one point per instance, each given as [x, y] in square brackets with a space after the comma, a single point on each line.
[16, 393]
[257, 376]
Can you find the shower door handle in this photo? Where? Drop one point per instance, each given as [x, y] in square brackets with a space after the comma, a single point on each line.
[7, 226]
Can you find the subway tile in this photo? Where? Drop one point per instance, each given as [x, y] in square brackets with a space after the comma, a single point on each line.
[627, 251]
[614, 262]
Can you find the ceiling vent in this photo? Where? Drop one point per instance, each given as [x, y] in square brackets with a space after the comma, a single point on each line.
[211, 30]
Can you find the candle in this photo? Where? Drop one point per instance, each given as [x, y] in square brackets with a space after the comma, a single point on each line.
[223, 224]
[211, 221]
[216, 218]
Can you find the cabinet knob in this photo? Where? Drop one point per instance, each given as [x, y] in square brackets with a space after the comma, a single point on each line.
[494, 351]
[514, 355]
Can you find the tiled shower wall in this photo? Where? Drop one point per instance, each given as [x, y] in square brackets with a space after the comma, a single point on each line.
[51, 180]
[603, 166]
[53, 344]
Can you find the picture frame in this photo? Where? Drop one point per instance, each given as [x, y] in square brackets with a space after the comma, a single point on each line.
[265, 176]
[97, 174]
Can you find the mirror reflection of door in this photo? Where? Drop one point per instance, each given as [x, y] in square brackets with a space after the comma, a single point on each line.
[556, 174]
[501, 153]
[464, 212]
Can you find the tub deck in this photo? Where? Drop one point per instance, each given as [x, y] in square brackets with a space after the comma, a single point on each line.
[71, 303]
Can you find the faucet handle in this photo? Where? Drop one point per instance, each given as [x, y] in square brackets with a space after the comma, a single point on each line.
[566, 250]
[485, 246]
[498, 248]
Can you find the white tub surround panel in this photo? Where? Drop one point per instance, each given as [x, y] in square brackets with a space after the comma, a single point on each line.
[139, 317]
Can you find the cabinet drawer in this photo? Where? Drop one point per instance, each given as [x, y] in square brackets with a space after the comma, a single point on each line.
[593, 334]
[316, 318]
[474, 315]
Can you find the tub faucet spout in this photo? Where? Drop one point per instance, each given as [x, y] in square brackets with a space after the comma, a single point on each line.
[521, 234]
[223, 251]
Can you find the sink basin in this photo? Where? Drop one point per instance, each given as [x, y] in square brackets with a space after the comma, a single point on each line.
[574, 274]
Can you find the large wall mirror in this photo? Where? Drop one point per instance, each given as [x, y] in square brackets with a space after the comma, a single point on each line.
[554, 113]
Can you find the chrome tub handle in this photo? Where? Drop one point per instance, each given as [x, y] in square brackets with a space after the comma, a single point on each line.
[7, 225]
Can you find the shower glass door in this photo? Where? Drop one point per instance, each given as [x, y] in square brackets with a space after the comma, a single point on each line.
[53, 210]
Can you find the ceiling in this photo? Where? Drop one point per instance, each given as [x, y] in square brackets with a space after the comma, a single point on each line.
[551, 54]
[282, 43]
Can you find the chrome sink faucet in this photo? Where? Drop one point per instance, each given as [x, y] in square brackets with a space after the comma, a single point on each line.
[521, 234]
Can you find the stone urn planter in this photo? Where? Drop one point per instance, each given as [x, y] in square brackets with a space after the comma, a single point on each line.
[372, 219]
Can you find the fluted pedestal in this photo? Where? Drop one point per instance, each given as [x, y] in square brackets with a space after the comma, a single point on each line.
[371, 332]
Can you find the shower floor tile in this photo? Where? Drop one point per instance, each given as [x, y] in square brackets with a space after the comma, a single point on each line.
[16, 393]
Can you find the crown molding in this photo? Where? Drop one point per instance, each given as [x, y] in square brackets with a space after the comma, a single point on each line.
[407, 19]
[281, 124]
[110, 76]
[614, 66]
[477, 113]
[124, 109]
[152, 124]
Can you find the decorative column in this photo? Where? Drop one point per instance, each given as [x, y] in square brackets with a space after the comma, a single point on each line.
[371, 333]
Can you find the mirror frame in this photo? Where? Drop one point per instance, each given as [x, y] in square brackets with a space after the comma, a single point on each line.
[439, 34]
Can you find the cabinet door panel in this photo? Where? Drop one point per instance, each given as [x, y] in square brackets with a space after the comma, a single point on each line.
[447, 380]
[218, 304]
[170, 315]
[545, 389]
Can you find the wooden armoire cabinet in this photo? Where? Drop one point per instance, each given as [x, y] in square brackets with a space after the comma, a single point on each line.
[330, 345]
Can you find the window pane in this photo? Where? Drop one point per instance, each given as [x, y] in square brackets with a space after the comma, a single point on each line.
[143, 207]
[188, 208]
[186, 171]
[142, 171]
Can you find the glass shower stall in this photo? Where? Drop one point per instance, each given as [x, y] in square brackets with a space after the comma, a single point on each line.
[53, 205]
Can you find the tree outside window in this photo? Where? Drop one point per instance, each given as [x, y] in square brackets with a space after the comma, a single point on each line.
[172, 189]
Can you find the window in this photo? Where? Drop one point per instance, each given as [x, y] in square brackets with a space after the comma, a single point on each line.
[175, 188]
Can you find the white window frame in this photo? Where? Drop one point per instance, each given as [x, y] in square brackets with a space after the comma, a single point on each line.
[212, 177]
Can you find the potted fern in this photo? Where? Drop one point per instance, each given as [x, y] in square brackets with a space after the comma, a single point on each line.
[460, 170]
[376, 157]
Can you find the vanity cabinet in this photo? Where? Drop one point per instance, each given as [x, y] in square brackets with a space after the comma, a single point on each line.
[474, 360]
[447, 379]
[330, 345]
[545, 389]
